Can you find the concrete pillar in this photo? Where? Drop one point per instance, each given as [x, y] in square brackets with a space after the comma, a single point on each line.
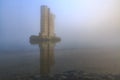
[44, 21]
[46, 57]
[47, 23]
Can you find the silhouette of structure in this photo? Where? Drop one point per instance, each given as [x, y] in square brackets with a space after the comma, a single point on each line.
[46, 40]
[47, 25]
[46, 56]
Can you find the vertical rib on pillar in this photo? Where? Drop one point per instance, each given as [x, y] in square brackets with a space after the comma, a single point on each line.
[51, 25]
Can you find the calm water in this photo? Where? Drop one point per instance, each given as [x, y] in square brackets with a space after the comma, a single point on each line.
[44, 58]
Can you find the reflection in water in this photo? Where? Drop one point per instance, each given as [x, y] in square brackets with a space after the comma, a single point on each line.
[46, 55]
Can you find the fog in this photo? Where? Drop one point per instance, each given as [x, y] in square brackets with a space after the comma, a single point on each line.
[77, 21]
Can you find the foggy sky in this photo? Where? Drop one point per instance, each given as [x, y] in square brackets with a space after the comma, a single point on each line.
[76, 19]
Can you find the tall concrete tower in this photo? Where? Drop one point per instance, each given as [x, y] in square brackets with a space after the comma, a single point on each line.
[47, 23]
[47, 27]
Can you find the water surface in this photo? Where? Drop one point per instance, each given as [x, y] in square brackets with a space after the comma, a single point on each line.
[49, 58]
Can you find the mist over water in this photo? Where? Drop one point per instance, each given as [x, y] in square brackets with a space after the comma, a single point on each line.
[89, 32]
